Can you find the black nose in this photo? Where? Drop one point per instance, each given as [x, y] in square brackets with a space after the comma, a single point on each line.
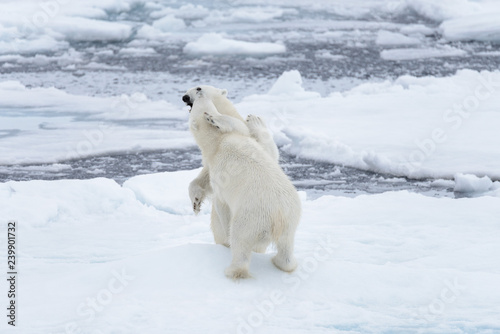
[186, 98]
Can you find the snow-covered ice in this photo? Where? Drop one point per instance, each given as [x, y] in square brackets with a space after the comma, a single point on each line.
[216, 44]
[421, 53]
[380, 127]
[469, 183]
[483, 27]
[99, 257]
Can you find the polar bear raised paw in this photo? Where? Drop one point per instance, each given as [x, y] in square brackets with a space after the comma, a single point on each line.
[225, 123]
[255, 123]
[259, 131]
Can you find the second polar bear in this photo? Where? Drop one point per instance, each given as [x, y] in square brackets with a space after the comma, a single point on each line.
[257, 198]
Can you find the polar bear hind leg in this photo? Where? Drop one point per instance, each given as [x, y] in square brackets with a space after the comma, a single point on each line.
[284, 259]
[243, 238]
[220, 222]
[240, 263]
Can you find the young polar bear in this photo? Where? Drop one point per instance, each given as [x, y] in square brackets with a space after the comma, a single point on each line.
[262, 204]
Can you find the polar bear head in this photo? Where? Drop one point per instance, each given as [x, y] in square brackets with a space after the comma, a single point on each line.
[216, 95]
[208, 91]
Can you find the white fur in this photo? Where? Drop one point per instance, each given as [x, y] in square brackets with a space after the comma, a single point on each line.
[200, 188]
[254, 201]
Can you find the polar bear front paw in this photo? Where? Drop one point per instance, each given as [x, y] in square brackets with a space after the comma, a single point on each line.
[210, 119]
[255, 123]
[196, 194]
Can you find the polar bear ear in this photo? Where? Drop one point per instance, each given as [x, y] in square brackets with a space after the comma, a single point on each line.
[223, 92]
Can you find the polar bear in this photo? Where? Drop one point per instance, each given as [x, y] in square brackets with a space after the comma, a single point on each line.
[254, 195]
[199, 188]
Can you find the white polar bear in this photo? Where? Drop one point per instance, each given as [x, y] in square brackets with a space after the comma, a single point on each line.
[199, 188]
[255, 196]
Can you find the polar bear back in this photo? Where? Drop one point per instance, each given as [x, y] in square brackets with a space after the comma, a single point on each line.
[241, 169]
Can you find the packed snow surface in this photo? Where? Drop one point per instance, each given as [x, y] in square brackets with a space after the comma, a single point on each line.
[96, 256]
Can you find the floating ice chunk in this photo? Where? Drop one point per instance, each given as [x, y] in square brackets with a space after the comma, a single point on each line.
[391, 180]
[488, 54]
[256, 14]
[417, 29]
[100, 66]
[216, 44]
[468, 183]
[169, 23]
[421, 53]
[10, 58]
[151, 33]
[385, 37]
[485, 27]
[24, 46]
[290, 84]
[445, 9]
[84, 29]
[185, 12]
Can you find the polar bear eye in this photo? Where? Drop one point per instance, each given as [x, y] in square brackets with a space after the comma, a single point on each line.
[198, 89]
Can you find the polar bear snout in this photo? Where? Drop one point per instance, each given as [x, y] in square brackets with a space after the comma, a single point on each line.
[187, 100]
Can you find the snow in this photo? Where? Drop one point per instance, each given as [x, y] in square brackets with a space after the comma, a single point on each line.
[417, 29]
[289, 84]
[164, 192]
[423, 264]
[169, 23]
[89, 125]
[84, 29]
[467, 183]
[484, 27]
[216, 44]
[151, 33]
[373, 127]
[34, 45]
